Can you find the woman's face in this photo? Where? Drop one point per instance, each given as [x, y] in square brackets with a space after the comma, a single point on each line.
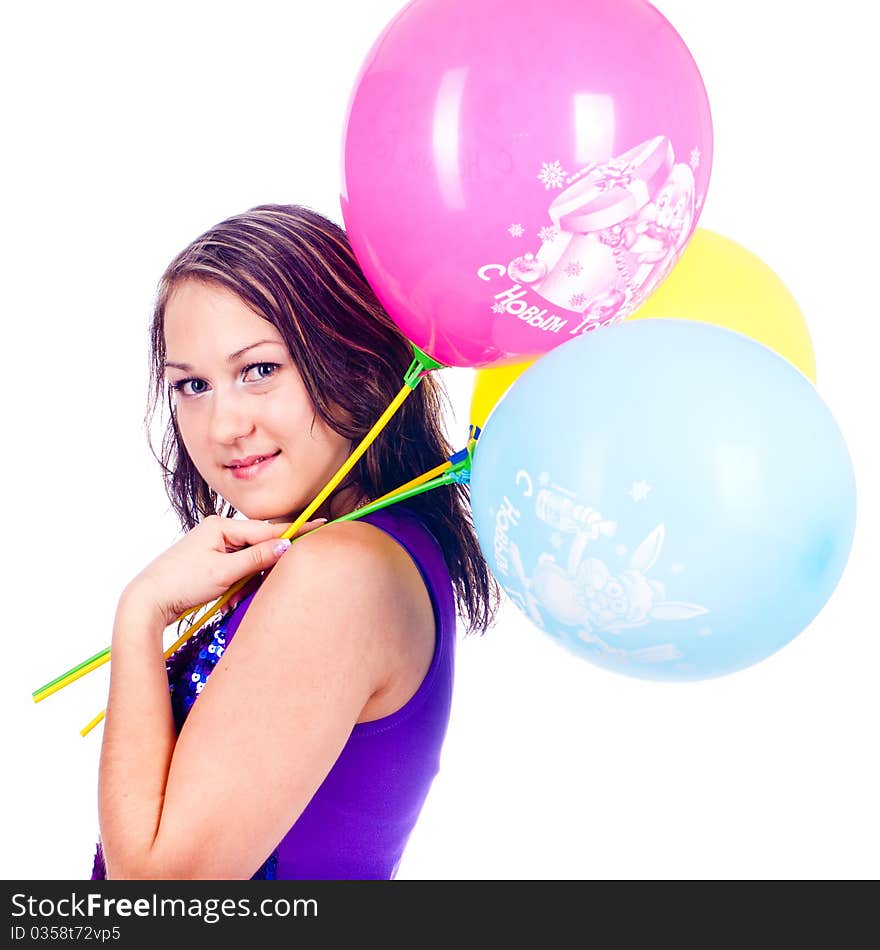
[238, 395]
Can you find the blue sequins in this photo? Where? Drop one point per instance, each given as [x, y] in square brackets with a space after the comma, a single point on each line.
[189, 668]
[268, 870]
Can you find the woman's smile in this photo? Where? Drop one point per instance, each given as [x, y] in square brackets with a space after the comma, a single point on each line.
[252, 470]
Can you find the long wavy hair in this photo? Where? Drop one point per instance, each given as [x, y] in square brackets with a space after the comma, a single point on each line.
[297, 270]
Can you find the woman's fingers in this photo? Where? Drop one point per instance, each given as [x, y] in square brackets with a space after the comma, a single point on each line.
[263, 554]
[259, 557]
[238, 532]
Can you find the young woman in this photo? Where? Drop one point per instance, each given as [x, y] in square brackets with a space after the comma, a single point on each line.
[297, 734]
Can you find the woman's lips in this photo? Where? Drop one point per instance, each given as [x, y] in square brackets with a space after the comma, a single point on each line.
[252, 471]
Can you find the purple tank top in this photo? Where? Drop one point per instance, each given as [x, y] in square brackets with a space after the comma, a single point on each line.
[358, 821]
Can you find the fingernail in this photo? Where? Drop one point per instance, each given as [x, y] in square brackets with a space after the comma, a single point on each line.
[281, 546]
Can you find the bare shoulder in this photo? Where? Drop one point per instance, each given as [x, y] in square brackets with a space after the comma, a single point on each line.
[379, 601]
[371, 564]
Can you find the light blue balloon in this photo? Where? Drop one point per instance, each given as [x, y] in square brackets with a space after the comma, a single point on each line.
[667, 499]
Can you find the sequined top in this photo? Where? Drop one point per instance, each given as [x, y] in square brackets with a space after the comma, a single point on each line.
[357, 823]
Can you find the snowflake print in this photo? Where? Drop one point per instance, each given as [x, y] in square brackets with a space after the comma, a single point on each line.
[552, 175]
[639, 491]
[578, 300]
[548, 234]
[516, 230]
[574, 269]
[696, 155]
[497, 308]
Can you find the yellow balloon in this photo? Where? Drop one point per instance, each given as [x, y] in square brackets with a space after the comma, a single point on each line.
[718, 281]
[715, 281]
[490, 385]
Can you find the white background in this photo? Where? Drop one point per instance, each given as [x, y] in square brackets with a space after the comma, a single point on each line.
[130, 128]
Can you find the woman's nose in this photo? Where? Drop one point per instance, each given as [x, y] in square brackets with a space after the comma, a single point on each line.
[229, 417]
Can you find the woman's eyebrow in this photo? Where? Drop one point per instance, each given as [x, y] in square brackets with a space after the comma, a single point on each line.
[229, 359]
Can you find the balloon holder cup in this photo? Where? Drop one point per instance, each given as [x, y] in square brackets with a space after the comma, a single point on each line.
[420, 367]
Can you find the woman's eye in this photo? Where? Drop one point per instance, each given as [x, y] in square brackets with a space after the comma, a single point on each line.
[181, 386]
[271, 367]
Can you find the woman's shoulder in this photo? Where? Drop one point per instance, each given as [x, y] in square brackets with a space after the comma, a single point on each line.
[411, 530]
[378, 586]
[366, 572]
[375, 543]
[362, 549]
[354, 557]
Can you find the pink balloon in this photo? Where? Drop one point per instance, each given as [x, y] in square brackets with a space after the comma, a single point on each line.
[516, 173]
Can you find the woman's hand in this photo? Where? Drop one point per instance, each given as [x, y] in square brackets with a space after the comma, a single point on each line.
[207, 561]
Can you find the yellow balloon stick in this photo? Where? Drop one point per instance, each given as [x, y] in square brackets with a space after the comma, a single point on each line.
[87, 729]
[403, 489]
[415, 482]
[421, 365]
[104, 657]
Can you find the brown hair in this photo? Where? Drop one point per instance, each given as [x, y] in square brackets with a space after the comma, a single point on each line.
[297, 270]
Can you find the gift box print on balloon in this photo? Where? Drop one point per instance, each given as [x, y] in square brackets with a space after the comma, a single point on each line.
[613, 235]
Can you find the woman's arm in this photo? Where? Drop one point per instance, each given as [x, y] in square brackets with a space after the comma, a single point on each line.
[319, 639]
[139, 737]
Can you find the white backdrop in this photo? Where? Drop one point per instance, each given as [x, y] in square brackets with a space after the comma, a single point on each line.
[128, 129]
